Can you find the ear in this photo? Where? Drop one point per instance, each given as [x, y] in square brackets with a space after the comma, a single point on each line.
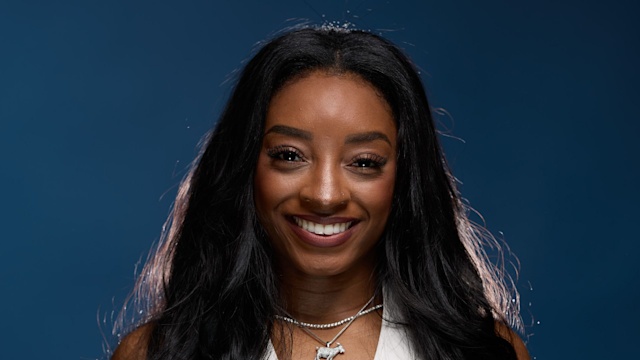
[134, 345]
[505, 332]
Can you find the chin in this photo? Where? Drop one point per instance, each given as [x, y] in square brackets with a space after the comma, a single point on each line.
[325, 265]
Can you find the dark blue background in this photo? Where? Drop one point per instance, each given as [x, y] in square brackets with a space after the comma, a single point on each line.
[102, 104]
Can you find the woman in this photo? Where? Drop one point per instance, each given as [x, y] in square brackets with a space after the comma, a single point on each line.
[321, 221]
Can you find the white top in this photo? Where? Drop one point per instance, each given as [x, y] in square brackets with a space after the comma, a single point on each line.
[393, 343]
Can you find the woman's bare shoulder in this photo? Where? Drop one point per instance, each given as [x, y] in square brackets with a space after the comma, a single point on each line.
[134, 345]
[518, 345]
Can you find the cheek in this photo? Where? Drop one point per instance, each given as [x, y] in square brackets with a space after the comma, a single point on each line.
[383, 199]
[271, 190]
[263, 197]
[271, 193]
[377, 198]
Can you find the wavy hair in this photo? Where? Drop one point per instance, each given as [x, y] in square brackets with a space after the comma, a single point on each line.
[208, 288]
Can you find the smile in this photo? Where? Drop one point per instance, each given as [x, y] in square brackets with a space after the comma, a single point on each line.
[320, 229]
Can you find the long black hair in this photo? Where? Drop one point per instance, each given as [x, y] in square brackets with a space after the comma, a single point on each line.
[209, 290]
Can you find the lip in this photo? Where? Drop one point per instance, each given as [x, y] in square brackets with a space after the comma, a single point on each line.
[323, 241]
[324, 220]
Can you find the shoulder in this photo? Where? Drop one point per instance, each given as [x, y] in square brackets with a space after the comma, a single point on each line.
[134, 345]
[504, 331]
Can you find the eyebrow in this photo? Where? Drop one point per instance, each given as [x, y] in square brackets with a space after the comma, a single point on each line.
[366, 137]
[306, 135]
[290, 131]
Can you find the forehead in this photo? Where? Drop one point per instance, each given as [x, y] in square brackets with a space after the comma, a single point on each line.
[333, 102]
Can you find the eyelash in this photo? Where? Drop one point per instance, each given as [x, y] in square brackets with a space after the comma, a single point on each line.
[365, 163]
[373, 162]
[284, 153]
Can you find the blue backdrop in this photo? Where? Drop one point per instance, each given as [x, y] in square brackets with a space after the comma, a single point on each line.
[102, 104]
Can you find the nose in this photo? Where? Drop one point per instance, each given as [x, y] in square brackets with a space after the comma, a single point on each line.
[325, 190]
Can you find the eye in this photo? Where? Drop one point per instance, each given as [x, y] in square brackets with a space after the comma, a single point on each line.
[368, 162]
[288, 156]
[285, 153]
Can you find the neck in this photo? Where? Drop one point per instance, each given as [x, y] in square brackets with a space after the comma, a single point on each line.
[325, 299]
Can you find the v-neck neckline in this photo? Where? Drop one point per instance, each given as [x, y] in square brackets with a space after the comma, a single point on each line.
[386, 333]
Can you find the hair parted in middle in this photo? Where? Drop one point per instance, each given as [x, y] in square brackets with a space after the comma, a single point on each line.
[210, 285]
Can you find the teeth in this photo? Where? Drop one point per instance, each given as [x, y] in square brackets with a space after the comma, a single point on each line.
[320, 229]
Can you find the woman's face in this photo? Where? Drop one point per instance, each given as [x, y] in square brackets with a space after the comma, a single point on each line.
[325, 175]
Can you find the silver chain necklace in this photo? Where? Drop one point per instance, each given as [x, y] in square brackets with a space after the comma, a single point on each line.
[330, 325]
[327, 352]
